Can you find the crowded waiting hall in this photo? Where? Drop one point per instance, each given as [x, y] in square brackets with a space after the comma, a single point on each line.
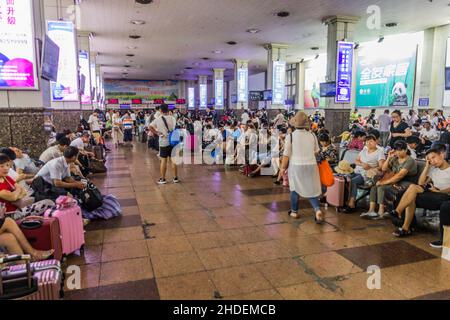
[224, 150]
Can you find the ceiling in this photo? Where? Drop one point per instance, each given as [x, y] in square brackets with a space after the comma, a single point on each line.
[179, 33]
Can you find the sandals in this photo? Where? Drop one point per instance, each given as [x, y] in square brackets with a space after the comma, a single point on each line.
[400, 233]
[42, 255]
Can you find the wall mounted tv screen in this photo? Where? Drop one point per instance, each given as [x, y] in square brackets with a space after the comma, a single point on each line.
[50, 60]
[328, 89]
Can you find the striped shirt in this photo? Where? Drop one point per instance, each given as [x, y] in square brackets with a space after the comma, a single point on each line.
[127, 124]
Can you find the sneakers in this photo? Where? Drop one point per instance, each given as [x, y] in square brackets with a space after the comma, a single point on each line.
[370, 215]
[162, 181]
[437, 244]
[294, 215]
[176, 180]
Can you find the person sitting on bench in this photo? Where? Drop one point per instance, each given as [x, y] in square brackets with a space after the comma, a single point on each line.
[432, 191]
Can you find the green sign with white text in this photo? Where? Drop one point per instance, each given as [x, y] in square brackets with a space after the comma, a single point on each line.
[386, 80]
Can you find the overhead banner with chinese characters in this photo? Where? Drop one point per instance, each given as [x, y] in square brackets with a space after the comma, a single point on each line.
[386, 75]
[63, 34]
[279, 83]
[17, 46]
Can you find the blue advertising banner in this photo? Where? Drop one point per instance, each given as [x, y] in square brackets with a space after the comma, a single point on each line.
[344, 72]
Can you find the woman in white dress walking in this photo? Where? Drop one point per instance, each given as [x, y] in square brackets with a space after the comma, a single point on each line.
[300, 151]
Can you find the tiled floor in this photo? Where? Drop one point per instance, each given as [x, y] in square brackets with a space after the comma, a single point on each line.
[219, 235]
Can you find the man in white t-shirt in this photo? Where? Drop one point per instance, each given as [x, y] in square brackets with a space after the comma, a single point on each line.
[431, 192]
[80, 142]
[162, 127]
[94, 124]
[245, 117]
[55, 151]
[279, 119]
[428, 135]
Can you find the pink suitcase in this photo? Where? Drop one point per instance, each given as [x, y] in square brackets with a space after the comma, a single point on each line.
[68, 212]
[43, 282]
[337, 193]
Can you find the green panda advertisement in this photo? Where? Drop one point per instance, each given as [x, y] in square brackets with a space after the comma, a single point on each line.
[386, 74]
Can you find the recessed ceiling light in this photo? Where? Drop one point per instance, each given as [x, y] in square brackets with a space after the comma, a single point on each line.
[391, 24]
[130, 55]
[196, 64]
[138, 22]
[188, 68]
[253, 31]
[232, 43]
[217, 52]
[205, 58]
[129, 61]
[135, 36]
[283, 14]
[131, 47]
[314, 48]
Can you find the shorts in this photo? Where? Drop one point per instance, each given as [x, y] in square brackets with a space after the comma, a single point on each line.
[165, 152]
[431, 200]
[128, 135]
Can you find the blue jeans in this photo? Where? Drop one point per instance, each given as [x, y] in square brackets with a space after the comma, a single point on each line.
[294, 202]
[357, 180]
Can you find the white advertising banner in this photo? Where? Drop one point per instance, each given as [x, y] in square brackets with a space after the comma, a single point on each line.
[242, 85]
[279, 83]
[191, 98]
[85, 78]
[18, 69]
[63, 34]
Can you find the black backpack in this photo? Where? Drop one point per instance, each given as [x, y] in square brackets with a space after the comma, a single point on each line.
[90, 198]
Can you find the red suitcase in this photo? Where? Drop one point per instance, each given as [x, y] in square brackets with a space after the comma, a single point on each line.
[43, 234]
[31, 281]
[337, 195]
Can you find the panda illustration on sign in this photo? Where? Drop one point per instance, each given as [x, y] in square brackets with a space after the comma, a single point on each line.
[399, 95]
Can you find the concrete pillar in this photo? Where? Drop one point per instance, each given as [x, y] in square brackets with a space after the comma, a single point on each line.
[219, 89]
[276, 67]
[431, 75]
[340, 28]
[241, 82]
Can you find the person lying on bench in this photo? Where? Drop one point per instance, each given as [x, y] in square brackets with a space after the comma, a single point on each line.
[432, 191]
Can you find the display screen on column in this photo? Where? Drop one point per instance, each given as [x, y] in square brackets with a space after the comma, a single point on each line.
[84, 73]
[219, 93]
[279, 83]
[17, 46]
[242, 74]
[344, 72]
[63, 34]
[203, 96]
[191, 98]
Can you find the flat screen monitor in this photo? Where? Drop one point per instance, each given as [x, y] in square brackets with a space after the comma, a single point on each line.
[447, 78]
[267, 95]
[125, 107]
[50, 60]
[328, 89]
[256, 96]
